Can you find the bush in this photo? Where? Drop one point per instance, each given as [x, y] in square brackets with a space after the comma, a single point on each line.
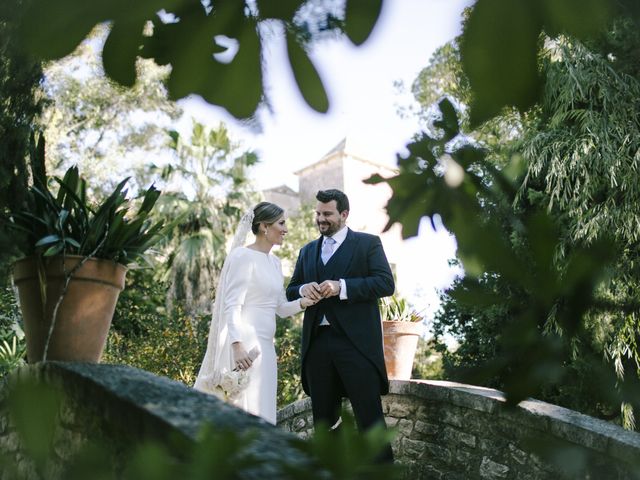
[427, 364]
[13, 346]
[288, 338]
[146, 336]
[141, 303]
[172, 346]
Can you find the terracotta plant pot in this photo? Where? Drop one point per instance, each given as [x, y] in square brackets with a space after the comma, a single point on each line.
[400, 343]
[85, 314]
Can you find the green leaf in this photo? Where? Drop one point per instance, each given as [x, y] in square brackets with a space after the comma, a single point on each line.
[407, 205]
[499, 56]
[360, 18]
[579, 18]
[46, 198]
[47, 240]
[449, 121]
[281, 9]
[36, 155]
[121, 50]
[181, 44]
[306, 76]
[52, 30]
[188, 45]
[72, 242]
[175, 137]
[71, 187]
[62, 218]
[54, 250]
[151, 461]
[239, 83]
[375, 179]
[151, 196]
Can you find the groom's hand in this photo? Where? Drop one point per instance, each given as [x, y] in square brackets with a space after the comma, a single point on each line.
[329, 288]
[312, 291]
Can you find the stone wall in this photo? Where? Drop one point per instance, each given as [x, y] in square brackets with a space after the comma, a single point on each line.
[320, 176]
[119, 408]
[452, 431]
[445, 430]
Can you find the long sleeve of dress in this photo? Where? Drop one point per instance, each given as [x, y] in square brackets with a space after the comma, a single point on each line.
[285, 308]
[235, 290]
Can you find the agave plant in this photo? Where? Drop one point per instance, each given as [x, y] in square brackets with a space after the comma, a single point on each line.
[68, 223]
[397, 309]
[12, 355]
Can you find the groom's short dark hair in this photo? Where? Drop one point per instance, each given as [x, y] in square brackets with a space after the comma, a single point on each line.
[342, 201]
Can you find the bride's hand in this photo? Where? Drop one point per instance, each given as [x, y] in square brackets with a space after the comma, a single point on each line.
[306, 302]
[241, 358]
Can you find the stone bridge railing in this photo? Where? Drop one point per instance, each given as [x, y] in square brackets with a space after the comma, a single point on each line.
[445, 430]
[120, 408]
[452, 431]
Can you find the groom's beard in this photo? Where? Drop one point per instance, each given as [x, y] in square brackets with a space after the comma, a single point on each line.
[327, 228]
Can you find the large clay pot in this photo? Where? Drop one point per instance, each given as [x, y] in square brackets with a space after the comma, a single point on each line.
[85, 314]
[400, 343]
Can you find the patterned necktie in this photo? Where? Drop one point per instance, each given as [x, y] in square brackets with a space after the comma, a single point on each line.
[327, 249]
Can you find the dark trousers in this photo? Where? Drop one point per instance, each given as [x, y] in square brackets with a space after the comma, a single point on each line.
[334, 368]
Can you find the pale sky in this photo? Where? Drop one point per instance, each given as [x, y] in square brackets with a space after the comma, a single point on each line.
[363, 106]
[360, 84]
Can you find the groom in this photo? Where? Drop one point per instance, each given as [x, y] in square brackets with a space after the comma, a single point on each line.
[342, 351]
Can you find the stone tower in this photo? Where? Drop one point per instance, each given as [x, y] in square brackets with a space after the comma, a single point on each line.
[344, 169]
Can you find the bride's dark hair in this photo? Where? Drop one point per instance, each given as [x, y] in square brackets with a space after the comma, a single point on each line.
[265, 212]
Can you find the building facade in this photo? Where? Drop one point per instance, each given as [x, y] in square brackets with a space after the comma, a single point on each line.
[344, 169]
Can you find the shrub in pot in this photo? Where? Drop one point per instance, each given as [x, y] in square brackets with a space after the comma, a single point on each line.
[401, 327]
[75, 260]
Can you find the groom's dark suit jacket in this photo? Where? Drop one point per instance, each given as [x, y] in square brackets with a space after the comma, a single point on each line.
[363, 265]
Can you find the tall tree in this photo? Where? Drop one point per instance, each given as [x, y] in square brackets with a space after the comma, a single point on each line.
[206, 187]
[584, 149]
[95, 122]
[444, 77]
[580, 147]
[20, 104]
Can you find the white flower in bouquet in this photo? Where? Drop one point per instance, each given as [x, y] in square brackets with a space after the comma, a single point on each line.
[226, 384]
[232, 383]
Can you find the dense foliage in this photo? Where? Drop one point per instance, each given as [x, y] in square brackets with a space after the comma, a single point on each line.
[555, 225]
[69, 222]
[108, 130]
[206, 191]
[12, 342]
[427, 363]
[582, 149]
[146, 336]
[288, 341]
[20, 106]
[577, 151]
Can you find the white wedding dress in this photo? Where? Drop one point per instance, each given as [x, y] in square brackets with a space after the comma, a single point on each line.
[252, 295]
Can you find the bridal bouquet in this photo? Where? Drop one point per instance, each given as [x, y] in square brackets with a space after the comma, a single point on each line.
[232, 383]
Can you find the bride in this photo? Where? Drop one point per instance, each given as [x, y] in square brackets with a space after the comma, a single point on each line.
[240, 363]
